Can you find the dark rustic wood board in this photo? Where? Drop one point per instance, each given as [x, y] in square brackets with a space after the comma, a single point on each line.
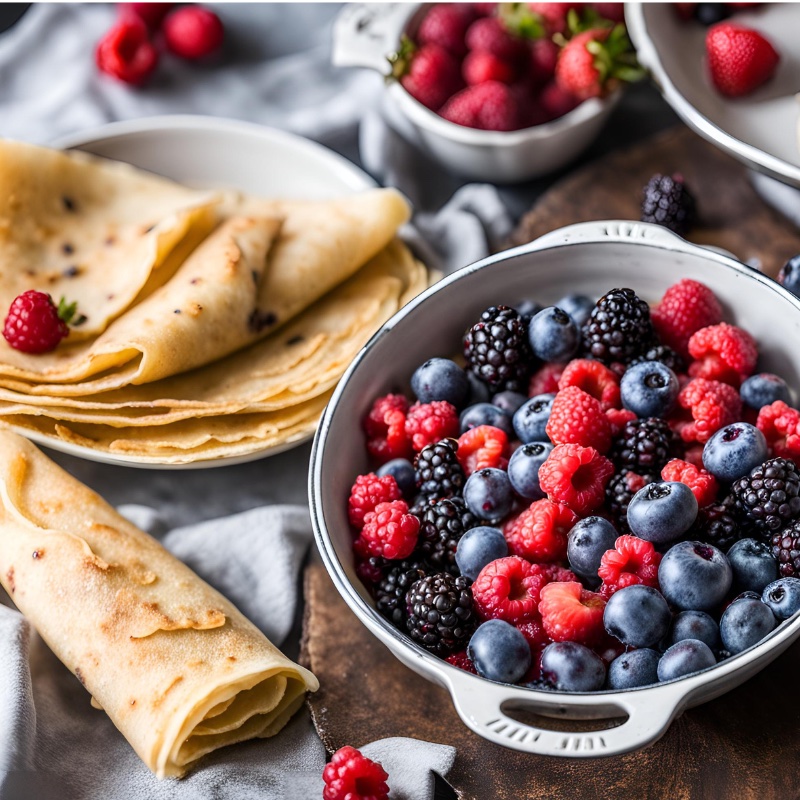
[743, 745]
[731, 214]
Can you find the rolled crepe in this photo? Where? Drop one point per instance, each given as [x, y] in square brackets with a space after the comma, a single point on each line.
[176, 666]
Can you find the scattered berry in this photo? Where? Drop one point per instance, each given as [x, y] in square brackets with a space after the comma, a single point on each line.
[733, 451]
[440, 615]
[570, 613]
[193, 32]
[712, 404]
[385, 426]
[390, 531]
[499, 651]
[352, 776]
[577, 418]
[632, 561]
[685, 308]
[576, 476]
[739, 59]
[694, 576]
[368, 491]
[126, 52]
[152, 14]
[540, 532]
[666, 201]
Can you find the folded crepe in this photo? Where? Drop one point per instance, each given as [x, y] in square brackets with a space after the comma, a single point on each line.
[175, 665]
[98, 232]
[244, 281]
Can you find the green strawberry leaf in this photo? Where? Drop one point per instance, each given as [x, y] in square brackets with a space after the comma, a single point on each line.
[68, 312]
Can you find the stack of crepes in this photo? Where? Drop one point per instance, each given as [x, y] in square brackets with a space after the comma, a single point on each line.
[216, 324]
[180, 671]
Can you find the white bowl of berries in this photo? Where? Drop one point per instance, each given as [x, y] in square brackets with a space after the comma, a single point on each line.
[621, 545]
[496, 92]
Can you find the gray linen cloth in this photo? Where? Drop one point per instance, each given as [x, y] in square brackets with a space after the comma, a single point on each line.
[275, 71]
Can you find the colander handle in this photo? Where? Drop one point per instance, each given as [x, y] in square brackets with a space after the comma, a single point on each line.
[365, 33]
[649, 714]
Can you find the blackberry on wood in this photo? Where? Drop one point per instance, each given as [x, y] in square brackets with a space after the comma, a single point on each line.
[645, 446]
[668, 202]
[443, 524]
[440, 615]
[437, 471]
[496, 350]
[619, 328]
[769, 495]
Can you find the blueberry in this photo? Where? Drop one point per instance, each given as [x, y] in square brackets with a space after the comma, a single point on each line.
[572, 667]
[523, 469]
[745, 623]
[695, 625]
[789, 276]
[531, 419]
[694, 576]
[485, 414]
[630, 670]
[553, 335]
[440, 379]
[586, 543]
[479, 392]
[479, 547]
[734, 450]
[528, 308]
[783, 597]
[403, 473]
[488, 493]
[743, 595]
[637, 615]
[684, 658]
[711, 13]
[764, 389]
[578, 306]
[509, 401]
[753, 565]
[499, 651]
[649, 389]
[662, 512]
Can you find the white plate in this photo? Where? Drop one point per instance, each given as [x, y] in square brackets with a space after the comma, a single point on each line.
[206, 152]
[761, 129]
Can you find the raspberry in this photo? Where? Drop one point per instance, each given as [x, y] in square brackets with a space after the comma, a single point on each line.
[723, 353]
[595, 379]
[539, 533]
[694, 455]
[126, 52]
[385, 426]
[703, 484]
[482, 447]
[545, 379]
[577, 418]
[445, 25]
[712, 405]
[488, 106]
[780, 425]
[556, 573]
[632, 561]
[533, 630]
[576, 476]
[367, 492]
[619, 492]
[428, 423]
[35, 325]
[619, 418]
[491, 36]
[685, 308]
[462, 661]
[389, 531]
[509, 589]
[351, 776]
[570, 613]
[479, 67]
[193, 32]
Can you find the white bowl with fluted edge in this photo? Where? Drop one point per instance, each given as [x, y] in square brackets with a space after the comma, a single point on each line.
[366, 33]
[589, 258]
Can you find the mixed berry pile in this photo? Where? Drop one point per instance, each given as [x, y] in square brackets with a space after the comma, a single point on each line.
[506, 66]
[604, 495]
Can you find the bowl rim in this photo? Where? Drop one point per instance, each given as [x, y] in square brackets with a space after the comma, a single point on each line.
[591, 233]
[754, 157]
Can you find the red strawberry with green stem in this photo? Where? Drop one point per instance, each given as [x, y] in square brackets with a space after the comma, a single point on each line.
[429, 73]
[739, 59]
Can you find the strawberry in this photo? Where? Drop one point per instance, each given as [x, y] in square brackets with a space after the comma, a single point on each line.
[593, 62]
[739, 59]
[480, 66]
[445, 24]
[611, 11]
[491, 35]
[552, 15]
[429, 74]
[543, 59]
[490, 106]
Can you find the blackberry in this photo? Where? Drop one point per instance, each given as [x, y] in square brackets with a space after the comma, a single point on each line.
[668, 202]
[442, 526]
[619, 328]
[770, 495]
[666, 355]
[645, 446]
[497, 352]
[440, 615]
[721, 524]
[786, 548]
[437, 471]
[619, 493]
[390, 592]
